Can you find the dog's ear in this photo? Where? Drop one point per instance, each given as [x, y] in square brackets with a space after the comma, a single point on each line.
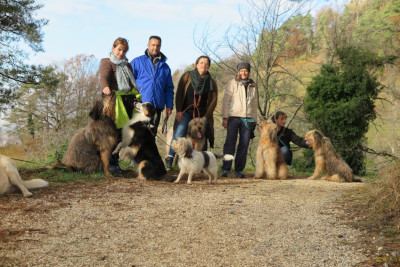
[96, 111]
[189, 149]
[272, 135]
[173, 143]
[318, 136]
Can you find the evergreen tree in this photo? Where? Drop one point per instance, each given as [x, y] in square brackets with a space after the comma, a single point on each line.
[378, 27]
[340, 102]
[17, 24]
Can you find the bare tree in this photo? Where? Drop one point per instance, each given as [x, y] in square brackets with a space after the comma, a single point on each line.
[54, 109]
[263, 38]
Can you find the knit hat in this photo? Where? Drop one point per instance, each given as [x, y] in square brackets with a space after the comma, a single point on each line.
[243, 65]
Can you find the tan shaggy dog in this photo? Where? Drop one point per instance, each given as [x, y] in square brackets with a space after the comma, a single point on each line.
[327, 160]
[270, 161]
[9, 177]
[196, 133]
[89, 149]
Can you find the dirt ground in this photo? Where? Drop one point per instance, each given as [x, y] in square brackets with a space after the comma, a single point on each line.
[236, 222]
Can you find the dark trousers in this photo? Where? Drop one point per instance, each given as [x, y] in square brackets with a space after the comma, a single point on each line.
[235, 127]
[287, 155]
[114, 158]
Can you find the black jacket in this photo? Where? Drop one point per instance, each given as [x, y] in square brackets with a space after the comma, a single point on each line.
[286, 136]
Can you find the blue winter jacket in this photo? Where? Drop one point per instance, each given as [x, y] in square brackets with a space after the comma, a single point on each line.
[155, 85]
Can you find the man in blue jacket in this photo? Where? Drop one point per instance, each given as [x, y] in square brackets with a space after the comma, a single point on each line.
[153, 77]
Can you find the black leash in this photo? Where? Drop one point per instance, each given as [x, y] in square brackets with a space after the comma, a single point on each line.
[164, 126]
[155, 135]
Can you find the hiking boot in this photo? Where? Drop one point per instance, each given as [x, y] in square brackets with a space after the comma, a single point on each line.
[168, 163]
[115, 169]
[224, 174]
[239, 174]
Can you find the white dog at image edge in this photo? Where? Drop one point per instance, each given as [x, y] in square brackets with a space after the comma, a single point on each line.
[9, 177]
[192, 162]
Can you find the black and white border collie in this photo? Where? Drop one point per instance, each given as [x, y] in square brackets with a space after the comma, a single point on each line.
[139, 145]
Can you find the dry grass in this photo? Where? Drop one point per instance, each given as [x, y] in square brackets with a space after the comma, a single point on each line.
[384, 199]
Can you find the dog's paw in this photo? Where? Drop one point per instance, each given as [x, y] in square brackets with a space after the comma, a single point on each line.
[108, 174]
[28, 194]
[311, 178]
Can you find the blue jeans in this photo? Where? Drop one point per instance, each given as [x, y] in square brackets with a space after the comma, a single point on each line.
[287, 155]
[235, 127]
[181, 130]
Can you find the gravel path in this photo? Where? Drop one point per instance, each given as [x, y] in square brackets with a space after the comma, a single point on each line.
[126, 222]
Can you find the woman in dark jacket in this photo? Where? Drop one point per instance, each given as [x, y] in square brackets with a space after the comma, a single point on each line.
[195, 85]
[285, 136]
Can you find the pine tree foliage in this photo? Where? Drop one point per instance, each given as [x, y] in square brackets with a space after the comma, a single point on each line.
[18, 25]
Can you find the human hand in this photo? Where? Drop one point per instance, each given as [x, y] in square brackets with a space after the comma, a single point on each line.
[168, 111]
[106, 90]
[225, 123]
[179, 116]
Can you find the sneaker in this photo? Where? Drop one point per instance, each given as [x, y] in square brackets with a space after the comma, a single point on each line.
[168, 163]
[239, 174]
[224, 174]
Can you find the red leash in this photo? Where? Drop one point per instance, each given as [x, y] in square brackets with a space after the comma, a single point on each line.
[195, 105]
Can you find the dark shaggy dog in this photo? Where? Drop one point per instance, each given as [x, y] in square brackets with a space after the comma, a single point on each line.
[139, 145]
[90, 148]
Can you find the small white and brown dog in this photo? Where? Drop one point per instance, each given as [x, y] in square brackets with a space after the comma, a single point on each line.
[192, 162]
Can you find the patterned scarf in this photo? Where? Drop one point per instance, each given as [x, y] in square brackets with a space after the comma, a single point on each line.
[124, 74]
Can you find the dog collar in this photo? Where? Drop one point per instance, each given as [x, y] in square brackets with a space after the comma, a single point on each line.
[188, 155]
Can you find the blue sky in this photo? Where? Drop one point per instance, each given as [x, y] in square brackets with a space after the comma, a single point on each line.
[90, 27]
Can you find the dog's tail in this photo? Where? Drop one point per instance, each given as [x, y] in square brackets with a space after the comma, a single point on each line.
[226, 157]
[35, 183]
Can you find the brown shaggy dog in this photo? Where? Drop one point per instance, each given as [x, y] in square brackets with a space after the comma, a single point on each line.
[270, 161]
[90, 148]
[327, 160]
[196, 133]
